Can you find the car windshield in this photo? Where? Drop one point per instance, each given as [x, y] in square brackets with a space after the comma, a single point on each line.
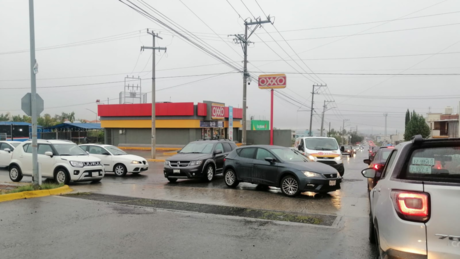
[197, 147]
[14, 144]
[115, 151]
[289, 155]
[435, 164]
[69, 150]
[321, 144]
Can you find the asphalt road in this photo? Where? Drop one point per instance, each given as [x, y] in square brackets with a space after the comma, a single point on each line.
[63, 227]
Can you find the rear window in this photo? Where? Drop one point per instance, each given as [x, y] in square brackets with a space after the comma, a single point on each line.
[383, 154]
[434, 164]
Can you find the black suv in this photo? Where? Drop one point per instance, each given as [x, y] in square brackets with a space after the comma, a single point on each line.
[198, 159]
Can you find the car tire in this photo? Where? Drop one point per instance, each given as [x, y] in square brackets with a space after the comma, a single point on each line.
[371, 230]
[172, 180]
[15, 173]
[290, 186]
[230, 178]
[120, 170]
[209, 173]
[62, 176]
[380, 254]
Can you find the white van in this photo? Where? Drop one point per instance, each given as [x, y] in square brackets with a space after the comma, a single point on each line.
[321, 149]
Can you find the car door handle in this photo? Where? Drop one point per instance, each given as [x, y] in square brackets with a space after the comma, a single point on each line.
[377, 190]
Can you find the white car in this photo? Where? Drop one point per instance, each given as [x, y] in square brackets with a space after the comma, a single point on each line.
[6, 149]
[415, 203]
[116, 160]
[60, 160]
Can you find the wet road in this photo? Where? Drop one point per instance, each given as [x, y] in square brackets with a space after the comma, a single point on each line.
[346, 239]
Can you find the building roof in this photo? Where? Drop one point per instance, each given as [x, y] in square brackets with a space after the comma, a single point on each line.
[77, 126]
[18, 123]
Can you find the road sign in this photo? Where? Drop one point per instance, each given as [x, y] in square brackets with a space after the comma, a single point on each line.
[26, 104]
[272, 81]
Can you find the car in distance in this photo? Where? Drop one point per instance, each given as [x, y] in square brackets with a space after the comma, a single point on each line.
[62, 161]
[116, 160]
[413, 212]
[378, 163]
[372, 151]
[321, 149]
[6, 147]
[348, 150]
[279, 167]
[198, 159]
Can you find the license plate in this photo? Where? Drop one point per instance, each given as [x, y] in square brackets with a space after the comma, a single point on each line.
[332, 183]
[176, 171]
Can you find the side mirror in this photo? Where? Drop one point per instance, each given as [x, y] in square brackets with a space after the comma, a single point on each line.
[7, 150]
[299, 147]
[271, 160]
[49, 153]
[87, 152]
[218, 152]
[342, 148]
[367, 161]
[368, 173]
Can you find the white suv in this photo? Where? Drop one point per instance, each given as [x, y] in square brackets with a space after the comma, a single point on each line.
[60, 160]
[415, 204]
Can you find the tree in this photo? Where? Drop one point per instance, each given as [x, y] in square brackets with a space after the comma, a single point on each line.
[355, 138]
[407, 117]
[416, 126]
[4, 117]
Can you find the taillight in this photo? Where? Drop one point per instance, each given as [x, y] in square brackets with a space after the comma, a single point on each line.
[376, 167]
[438, 165]
[412, 206]
[225, 159]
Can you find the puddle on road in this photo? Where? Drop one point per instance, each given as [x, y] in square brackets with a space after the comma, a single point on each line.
[325, 220]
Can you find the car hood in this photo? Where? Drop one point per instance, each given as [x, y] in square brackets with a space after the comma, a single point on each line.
[81, 158]
[189, 157]
[315, 167]
[130, 157]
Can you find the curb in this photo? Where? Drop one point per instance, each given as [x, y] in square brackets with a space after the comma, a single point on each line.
[35, 194]
[169, 153]
[156, 160]
[148, 148]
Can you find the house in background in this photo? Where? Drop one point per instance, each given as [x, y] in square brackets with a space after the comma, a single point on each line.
[443, 125]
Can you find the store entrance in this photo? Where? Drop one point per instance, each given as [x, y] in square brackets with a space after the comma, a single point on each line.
[212, 133]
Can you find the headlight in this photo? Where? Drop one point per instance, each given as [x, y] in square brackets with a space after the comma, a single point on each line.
[312, 158]
[338, 158]
[311, 174]
[76, 163]
[136, 162]
[166, 163]
[193, 163]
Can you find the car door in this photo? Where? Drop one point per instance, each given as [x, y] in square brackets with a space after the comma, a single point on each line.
[5, 156]
[104, 155]
[219, 158]
[264, 172]
[25, 157]
[46, 163]
[244, 163]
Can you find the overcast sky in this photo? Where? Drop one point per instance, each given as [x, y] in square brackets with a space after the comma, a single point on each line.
[92, 43]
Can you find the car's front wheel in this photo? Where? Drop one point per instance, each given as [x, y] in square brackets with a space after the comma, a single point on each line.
[209, 173]
[61, 176]
[15, 173]
[120, 170]
[230, 178]
[290, 186]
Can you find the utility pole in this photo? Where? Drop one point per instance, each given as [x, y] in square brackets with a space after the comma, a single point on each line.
[329, 132]
[33, 71]
[153, 48]
[244, 41]
[322, 117]
[386, 115]
[343, 134]
[312, 108]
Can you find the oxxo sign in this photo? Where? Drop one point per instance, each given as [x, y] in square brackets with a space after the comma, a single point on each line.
[217, 111]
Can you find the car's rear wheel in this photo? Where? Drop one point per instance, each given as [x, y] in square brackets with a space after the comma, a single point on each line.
[290, 186]
[230, 178]
[61, 176]
[371, 230]
[15, 173]
[172, 180]
[209, 173]
[120, 170]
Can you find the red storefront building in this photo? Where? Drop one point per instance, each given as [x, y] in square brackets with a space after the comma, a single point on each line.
[176, 123]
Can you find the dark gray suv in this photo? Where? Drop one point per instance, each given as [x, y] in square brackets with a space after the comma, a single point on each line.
[198, 159]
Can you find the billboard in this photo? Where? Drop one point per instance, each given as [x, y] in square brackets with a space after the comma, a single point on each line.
[217, 111]
[260, 125]
[272, 81]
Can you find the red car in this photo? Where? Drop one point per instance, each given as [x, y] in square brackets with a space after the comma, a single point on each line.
[377, 162]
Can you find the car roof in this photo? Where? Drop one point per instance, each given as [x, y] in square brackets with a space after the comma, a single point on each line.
[51, 141]
[318, 137]
[9, 141]
[264, 146]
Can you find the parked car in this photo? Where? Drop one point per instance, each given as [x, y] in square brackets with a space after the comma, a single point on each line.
[321, 149]
[116, 160]
[372, 151]
[348, 150]
[6, 149]
[279, 167]
[378, 163]
[62, 161]
[415, 202]
[198, 159]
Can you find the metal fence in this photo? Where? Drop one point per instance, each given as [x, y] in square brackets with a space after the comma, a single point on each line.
[3, 136]
[79, 137]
